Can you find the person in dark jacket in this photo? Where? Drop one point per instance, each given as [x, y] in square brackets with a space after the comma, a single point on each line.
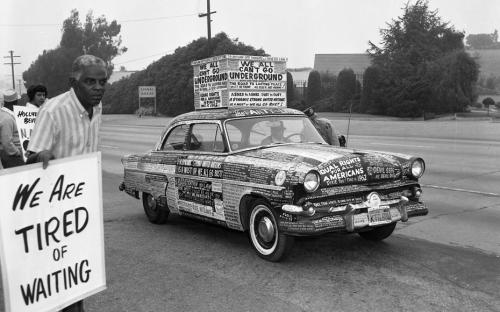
[324, 127]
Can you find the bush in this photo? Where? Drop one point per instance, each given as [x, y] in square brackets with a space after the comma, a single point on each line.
[145, 111]
[298, 104]
[488, 102]
[325, 105]
[313, 88]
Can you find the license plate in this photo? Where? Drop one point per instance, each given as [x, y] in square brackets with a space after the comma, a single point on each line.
[377, 216]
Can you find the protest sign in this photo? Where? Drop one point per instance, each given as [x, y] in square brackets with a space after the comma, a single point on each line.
[25, 121]
[51, 233]
[239, 80]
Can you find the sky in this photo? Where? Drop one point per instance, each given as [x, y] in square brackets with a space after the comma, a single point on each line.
[296, 29]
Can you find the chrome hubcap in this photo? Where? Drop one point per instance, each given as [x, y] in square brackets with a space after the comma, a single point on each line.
[266, 229]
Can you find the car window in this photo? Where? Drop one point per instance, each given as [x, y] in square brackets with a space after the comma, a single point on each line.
[266, 130]
[206, 137]
[234, 136]
[175, 139]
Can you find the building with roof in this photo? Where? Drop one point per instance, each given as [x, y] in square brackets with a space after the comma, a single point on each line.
[488, 60]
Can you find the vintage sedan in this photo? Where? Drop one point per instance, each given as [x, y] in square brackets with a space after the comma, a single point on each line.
[268, 172]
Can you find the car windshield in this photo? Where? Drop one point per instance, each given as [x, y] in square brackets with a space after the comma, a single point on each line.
[269, 130]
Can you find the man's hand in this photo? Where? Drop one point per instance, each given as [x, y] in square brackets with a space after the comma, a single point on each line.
[43, 156]
[342, 140]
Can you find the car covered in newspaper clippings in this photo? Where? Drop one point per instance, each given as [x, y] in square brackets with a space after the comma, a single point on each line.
[245, 161]
[219, 166]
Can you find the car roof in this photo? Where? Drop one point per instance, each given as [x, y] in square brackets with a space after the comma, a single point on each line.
[233, 112]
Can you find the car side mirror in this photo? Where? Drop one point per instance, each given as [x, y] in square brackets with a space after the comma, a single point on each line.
[342, 140]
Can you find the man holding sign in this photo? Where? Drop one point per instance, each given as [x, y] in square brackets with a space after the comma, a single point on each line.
[68, 125]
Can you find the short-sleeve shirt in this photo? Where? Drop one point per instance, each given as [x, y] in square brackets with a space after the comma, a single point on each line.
[29, 105]
[64, 128]
[9, 136]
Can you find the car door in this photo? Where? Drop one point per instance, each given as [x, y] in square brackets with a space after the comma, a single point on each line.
[171, 147]
[198, 178]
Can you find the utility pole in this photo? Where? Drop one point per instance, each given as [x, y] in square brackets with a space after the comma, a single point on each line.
[12, 56]
[208, 25]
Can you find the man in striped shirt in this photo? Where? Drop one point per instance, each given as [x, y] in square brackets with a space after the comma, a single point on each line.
[68, 124]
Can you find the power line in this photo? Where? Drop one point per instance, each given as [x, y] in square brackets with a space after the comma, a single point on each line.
[154, 18]
[119, 21]
[144, 57]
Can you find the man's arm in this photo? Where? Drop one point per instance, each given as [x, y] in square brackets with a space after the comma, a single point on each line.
[42, 139]
[335, 138]
[330, 130]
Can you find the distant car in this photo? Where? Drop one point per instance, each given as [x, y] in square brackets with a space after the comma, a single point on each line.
[269, 172]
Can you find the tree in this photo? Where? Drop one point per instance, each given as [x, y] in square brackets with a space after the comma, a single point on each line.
[490, 83]
[290, 88]
[370, 83]
[345, 90]
[328, 83]
[95, 37]
[173, 77]
[487, 102]
[416, 48]
[313, 88]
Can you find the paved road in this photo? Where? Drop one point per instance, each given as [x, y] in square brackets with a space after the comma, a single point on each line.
[446, 261]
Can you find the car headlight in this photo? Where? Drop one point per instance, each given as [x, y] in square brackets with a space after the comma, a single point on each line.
[417, 168]
[280, 177]
[311, 181]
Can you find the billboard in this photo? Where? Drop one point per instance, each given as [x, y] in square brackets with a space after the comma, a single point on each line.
[147, 91]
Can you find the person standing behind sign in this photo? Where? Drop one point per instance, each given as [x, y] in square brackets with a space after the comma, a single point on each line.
[37, 94]
[10, 146]
[68, 124]
[324, 127]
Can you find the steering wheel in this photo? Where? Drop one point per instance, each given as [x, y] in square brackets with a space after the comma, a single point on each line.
[287, 138]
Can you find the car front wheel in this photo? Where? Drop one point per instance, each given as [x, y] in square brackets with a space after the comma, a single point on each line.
[264, 234]
[379, 233]
[153, 210]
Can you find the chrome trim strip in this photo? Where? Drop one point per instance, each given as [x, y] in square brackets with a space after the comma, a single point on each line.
[232, 182]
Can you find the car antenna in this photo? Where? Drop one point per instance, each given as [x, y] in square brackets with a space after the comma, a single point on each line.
[348, 123]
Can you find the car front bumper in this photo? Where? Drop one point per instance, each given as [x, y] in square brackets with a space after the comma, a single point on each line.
[354, 218]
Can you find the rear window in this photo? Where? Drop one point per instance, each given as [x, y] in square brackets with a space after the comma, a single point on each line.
[175, 139]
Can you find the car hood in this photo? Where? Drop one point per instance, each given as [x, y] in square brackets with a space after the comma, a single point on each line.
[337, 166]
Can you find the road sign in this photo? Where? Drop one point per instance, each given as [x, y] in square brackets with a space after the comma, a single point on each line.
[147, 91]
